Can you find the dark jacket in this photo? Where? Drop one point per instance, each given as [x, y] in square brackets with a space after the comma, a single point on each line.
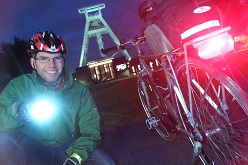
[76, 116]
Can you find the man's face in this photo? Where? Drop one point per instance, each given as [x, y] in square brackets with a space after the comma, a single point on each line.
[49, 69]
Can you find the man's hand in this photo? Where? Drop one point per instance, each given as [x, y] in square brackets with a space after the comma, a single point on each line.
[74, 159]
[71, 161]
[39, 110]
[23, 111]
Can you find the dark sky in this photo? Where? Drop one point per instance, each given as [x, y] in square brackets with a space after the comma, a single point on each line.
[23, 18]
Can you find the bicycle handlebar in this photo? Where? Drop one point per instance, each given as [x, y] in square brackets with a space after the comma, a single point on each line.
[104, 51]
[135, 41]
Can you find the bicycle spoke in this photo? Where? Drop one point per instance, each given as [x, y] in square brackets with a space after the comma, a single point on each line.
[218, 109]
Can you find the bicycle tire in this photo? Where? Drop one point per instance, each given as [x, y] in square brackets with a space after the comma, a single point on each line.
[220, 110]
[158, 106]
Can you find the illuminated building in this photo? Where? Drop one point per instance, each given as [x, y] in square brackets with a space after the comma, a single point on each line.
[110, 68]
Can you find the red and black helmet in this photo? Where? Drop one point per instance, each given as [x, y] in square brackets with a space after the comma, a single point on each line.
[46, 41]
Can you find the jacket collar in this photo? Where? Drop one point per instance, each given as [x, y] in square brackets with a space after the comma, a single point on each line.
[66, 84]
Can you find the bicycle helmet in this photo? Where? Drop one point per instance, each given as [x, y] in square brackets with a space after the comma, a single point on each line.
[144, 8]
[46, 41]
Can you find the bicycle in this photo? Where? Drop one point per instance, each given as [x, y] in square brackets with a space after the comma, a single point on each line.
[197, 100]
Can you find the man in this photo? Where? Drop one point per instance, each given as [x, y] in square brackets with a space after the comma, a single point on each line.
[65, 132]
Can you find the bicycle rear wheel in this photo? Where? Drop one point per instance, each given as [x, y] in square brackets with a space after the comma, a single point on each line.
[155, 108]
[220, 110]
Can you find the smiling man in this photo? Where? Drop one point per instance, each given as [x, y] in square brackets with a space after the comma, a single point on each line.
[70, 134]
[49, 66]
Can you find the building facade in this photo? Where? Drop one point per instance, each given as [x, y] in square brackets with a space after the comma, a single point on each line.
[110, 68]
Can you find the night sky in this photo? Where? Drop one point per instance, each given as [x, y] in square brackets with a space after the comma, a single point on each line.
[24, 18]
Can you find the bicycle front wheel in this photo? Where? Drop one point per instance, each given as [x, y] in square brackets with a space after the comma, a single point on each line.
[155, 108]
[220, 111]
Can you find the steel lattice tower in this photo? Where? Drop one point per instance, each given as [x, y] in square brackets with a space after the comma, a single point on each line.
[96, 26]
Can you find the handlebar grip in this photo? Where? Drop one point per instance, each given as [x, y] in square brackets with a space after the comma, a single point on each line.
[104, 51]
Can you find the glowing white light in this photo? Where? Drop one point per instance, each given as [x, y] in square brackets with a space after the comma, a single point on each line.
[216, 43]
[42, 110]
[215, 46]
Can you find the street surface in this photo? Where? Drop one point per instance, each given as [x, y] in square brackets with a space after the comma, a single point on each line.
[135, 144]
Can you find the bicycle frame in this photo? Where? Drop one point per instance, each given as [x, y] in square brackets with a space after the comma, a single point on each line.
[185, 45]
[173, 84]
[170, 75]
[172, 79]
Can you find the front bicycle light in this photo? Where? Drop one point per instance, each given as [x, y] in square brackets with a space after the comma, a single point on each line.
[215, 46]
[42, 110]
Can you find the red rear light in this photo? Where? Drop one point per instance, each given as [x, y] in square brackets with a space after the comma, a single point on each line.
[215, 46]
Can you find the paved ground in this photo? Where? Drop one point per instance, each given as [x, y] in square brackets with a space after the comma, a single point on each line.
[135, 144]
